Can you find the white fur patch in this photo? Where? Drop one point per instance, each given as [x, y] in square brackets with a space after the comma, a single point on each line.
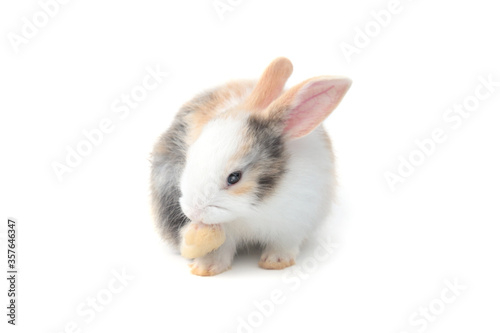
[209, 162]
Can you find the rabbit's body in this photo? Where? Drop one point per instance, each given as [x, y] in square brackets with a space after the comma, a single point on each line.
[274, 146]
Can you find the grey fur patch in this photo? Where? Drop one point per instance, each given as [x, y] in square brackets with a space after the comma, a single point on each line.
[269, 157]
[167, 163]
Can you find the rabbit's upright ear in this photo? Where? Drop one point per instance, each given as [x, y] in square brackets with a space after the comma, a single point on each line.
[270, 84]
[302, 108]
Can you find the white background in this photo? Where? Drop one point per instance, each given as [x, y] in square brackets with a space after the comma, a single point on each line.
[396, 248]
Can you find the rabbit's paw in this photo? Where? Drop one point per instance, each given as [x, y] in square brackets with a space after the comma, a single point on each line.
[276, 260]
[208, 267]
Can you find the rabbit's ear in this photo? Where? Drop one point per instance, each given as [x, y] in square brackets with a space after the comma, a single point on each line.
[270, 84]
[302, 108]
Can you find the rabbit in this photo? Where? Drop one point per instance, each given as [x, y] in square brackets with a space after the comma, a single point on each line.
[254, 160]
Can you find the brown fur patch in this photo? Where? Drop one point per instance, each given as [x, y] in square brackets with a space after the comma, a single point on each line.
[208, 105]
[270, 84]
[244, 188]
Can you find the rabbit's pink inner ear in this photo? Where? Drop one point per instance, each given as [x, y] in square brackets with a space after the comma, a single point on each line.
[270, 84]
[312, 103]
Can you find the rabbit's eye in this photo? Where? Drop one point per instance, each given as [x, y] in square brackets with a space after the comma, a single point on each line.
[234, 177]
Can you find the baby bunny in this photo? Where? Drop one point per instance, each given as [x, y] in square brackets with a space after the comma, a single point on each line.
[251, 161]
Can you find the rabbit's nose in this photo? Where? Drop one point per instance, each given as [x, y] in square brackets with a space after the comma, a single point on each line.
[194, 214]
[193, 209]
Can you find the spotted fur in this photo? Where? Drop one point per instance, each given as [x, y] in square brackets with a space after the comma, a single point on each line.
[270, 155]
[275, 139]
[169, 154]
